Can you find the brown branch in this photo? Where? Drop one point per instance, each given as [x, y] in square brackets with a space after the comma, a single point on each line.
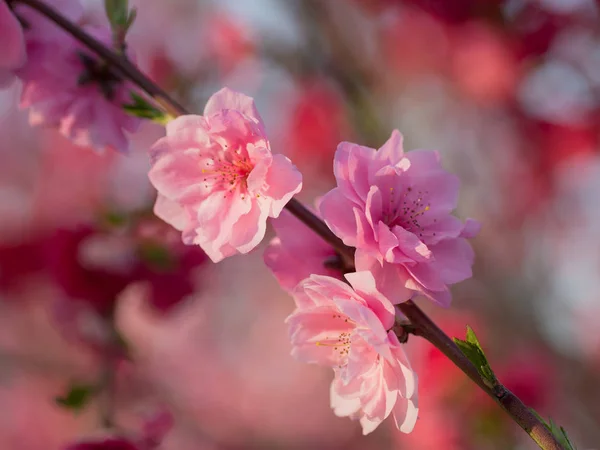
[421, 324]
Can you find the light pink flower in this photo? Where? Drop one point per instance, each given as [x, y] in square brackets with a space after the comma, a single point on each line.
[297, 252]
[347, 328]
[66, 86]
[12, 45]
[216, 178]
[395, 208]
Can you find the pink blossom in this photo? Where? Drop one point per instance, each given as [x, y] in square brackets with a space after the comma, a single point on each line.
[395, 208]
[12, 45]
[65, 86]
[216, 178]
[348, 328]
[297, 252]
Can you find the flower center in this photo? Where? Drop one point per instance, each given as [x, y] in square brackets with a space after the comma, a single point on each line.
[100, 73]
[406, 209]
[227, 171]
[342, 342]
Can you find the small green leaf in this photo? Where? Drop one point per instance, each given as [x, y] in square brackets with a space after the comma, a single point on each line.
[131, 18]
[77, 397]
[157, 256]
[141, 108]
[114, 219]
[473, 351]
[117, 12]
[120, 19]
[560, 434]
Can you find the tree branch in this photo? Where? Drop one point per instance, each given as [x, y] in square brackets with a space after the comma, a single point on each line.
[514, 407]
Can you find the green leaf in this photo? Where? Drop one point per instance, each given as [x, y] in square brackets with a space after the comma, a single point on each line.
[559, 432]
[473, 351]
[131, 18]
[113, 218]
[117, 12]
[140, 107]
[120, 19]
[77, 398]
[157, 256]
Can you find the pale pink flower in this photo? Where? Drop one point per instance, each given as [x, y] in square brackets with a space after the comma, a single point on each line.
[12, 45]
[348, 328]
[65, 86]
[395, 208]
[216, 178]
[297, 252]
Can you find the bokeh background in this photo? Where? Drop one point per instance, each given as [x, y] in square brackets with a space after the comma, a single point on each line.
[507, 91]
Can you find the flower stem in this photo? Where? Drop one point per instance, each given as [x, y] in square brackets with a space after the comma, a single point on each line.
[421, 324]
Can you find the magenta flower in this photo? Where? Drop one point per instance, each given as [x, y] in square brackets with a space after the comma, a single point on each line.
[347, 328]
[12, 45]
[297, 252]
[65, 86]
[216, 178]
[395, 208]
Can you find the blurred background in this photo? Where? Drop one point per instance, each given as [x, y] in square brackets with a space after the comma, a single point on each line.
[507, 91]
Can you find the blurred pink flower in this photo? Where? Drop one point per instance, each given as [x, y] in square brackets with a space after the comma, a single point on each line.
[483, 64]
[228, 41]
[405, 41]
[297, 252]
[318, 122]
[12, 45]
[39, 28]
[347, 328]
[67, 87]
[217, 179]
[395, 209]
[156, 427]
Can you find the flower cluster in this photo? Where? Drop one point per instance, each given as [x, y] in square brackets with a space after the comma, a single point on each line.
[218, 183]
[395, 208]
[65, 86]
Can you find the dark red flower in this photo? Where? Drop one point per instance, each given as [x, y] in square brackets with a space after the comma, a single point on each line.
[113, 443]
